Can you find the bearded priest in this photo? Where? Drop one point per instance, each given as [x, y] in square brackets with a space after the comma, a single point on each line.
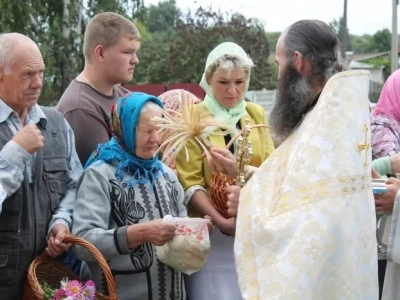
[306, 224]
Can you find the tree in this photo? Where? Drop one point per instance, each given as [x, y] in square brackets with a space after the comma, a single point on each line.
[378, 42]
[272, 81]
[163, 16]
[362, 44]
[57, 27]
[342, 32]
[153, 59]
[382, 40]
[273, 39]
[131, 9]
[380, 61]
[180, 55]
[54, 26]
[144, 32]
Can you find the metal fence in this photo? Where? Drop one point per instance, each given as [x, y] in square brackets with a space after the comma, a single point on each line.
[265, 98]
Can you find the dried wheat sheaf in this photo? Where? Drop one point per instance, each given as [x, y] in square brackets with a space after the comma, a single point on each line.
[177, 128]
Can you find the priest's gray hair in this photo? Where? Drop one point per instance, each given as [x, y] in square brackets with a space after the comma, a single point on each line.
[230, 63]
[150, 106]
[318, 43]
[7, 43]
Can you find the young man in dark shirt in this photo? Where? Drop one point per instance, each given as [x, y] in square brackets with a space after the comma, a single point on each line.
[110, 46]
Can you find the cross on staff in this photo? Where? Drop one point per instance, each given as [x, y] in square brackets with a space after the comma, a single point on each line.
[244, 152]
[365, 147]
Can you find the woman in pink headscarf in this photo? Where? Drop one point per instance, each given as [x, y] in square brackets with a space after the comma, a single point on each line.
[172, 101]
[385, 120]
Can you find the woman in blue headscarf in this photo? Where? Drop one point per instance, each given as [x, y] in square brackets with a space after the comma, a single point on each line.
[122, 197]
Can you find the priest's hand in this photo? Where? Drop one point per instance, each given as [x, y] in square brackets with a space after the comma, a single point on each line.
[385, 202]
[223, 158]
[228, 227]
[233, 193]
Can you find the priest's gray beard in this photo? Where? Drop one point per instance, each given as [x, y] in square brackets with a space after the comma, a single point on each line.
[292, 102]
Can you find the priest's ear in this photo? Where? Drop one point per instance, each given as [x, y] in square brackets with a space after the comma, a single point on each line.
[301, 63]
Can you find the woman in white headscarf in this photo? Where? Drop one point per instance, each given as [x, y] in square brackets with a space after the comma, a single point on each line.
[225, 80]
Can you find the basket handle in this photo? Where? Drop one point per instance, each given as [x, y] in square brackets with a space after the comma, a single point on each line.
[69, 239]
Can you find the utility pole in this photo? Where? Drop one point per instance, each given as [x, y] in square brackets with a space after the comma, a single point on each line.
[395, 43]
[343, 32]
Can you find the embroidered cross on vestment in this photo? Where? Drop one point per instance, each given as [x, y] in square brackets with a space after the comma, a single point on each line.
[365, 147]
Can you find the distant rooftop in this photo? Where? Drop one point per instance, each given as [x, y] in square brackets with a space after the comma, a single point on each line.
[359, 65]
[364, 56]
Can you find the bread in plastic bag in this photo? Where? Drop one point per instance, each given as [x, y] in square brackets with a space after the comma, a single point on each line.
[188, 250]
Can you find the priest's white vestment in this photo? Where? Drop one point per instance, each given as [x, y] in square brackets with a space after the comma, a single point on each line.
[306, 226]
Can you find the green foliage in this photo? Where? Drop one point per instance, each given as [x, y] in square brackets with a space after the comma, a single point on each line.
[272, 81]
[378, 42]
[361, 44]
[382, 40]
[163, 16]
[53, 25]
[153, 59]
[132, 9]
[380, 61]
[375, 91]
[338, 28]
[174, 46]
[179, 55]
[49, 291]
[144, 33]
[334, 24]
[273, 39]
[58, 27]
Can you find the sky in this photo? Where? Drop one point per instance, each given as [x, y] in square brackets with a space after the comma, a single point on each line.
[364, 16]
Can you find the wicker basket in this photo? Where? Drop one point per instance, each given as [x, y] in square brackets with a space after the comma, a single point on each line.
[46, 269]
[218, 194]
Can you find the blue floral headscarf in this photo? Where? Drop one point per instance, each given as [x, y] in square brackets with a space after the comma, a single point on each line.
[125, 115]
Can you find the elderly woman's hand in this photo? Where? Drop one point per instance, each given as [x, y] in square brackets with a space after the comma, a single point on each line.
[385, 202]
[224, 158]
[160, 232]
[210, 225]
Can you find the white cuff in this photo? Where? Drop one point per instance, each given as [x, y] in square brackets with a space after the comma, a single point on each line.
[190, 192]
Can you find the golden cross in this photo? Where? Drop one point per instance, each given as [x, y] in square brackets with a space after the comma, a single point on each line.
[365, 146]
[244, 152]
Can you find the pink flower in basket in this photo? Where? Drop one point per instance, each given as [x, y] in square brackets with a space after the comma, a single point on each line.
[60, 294]
[89, 290]
[75, 290]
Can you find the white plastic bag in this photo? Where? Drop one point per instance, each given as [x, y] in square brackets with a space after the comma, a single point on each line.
[188, 250]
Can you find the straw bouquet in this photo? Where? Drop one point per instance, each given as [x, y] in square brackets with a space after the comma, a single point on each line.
[177, 128]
